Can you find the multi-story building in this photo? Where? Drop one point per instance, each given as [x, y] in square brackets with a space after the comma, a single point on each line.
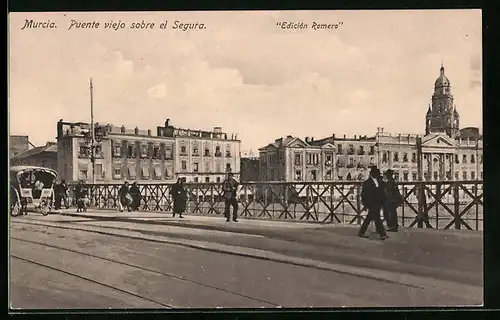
[448, 153]
[249, 169]
[138, 155]
[43, 156]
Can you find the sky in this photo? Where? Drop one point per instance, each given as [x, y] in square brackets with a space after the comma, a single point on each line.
[244, 73]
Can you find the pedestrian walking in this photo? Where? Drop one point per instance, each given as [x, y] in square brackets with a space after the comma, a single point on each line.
[81, 195]
[135, 193]
[179, 196]
[393, 201]
[229, 187]
[124, 197]
[373, 198]
[60, 195]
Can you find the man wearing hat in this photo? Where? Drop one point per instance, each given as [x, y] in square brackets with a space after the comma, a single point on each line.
[373, 197]
[393, 201]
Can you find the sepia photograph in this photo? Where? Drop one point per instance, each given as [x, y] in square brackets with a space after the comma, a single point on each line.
[245, 159]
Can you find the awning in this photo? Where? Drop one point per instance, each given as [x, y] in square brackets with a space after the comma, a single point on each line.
[145, 172]
[157, 171]
[131, 172]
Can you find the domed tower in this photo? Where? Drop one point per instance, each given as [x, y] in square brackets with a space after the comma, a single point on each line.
[442, 116]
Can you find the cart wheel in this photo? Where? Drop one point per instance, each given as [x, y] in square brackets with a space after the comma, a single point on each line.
[15, 205]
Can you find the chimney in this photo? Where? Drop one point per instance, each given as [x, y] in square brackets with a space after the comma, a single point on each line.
[354, 137]
[399, 137]
[312, 139]
[344, 136]
[333, 136]
[307, 139]
[122, 129]
[167, 122]
[149, 132]
[136, 131]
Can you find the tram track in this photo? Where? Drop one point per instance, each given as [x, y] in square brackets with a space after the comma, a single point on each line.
[37, 263]
[137, 267]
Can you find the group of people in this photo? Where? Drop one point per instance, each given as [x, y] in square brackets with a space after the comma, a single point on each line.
[380, 194]
[129, 197]
[229, 188]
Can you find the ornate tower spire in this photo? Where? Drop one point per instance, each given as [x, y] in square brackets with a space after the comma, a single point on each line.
[442, 117]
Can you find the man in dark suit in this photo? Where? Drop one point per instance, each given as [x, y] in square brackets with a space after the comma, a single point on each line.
[373, 198]
[393, 201]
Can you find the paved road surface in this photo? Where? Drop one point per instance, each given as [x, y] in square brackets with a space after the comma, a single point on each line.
[151, 260]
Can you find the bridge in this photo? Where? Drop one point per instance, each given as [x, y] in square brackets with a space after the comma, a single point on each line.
[104, 258]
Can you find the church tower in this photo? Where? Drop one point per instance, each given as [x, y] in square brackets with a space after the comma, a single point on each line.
[442, 116]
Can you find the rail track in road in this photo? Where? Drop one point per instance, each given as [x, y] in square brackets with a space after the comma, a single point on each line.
[90, 280]
[137, 267]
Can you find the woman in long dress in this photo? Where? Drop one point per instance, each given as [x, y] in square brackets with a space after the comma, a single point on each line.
[179, 195]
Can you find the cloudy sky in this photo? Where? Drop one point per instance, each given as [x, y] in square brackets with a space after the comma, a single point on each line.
[244, 73]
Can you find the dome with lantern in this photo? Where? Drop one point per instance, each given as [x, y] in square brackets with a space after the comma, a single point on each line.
[442, 80]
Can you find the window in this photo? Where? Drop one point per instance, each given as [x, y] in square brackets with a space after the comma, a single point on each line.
[228, 167]
[351, 149]
[207, 179]
[195, 167]
[414, 177]
[157, 171]
[218, 168]
[183, 165]
[228, 151]
[426, 176]
[372, 160]
[464, 175]
[168, 152]
[472, 159]
[339, 149]
[328, 160]
[396, 156]
[361, 150]
[168, 172]
[435, 175]
[413, 157]
[481, 159]
[457, 176]
[131, 172]
[130, 151]
[448, 175]
[83, 174]
[156, 152]
[372, 150]
[84, 151]
[98, 151]
[405, 157]
[351, 162]
[464, 158]
[217, 151]
[312, 158]
[207, 152]
[217, 179]
[183, 151]
[396, 176]
[195, 179]
[144, 151]
[117, 173]
[328, 175]
[298, 159]
[282, 156]
[405, 176]
[456, 159]
[384, 157]
[195, 149]
[117, 151]
[313, 175]
[298, 175]
[473, 175]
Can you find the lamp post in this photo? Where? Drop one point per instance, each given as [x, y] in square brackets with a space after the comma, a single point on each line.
[94, 135]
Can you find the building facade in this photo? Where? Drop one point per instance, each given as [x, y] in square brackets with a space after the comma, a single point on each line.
[448, 153]
[43, 156]
[123, 154]
[249, 169]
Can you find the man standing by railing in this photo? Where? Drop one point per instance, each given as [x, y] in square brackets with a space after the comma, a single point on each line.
[229, 187]
[373, 198]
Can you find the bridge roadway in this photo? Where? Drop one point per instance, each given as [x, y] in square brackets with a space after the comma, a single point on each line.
[109, 259]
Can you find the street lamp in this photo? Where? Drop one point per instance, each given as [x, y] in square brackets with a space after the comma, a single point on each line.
[91, 138]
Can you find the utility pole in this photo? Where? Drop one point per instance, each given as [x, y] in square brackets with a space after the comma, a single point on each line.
[92, 143]
[422, 203]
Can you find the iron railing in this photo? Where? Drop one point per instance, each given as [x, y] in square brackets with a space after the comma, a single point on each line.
[441, 204]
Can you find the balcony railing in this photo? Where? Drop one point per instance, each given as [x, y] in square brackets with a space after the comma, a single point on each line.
[442, 204]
